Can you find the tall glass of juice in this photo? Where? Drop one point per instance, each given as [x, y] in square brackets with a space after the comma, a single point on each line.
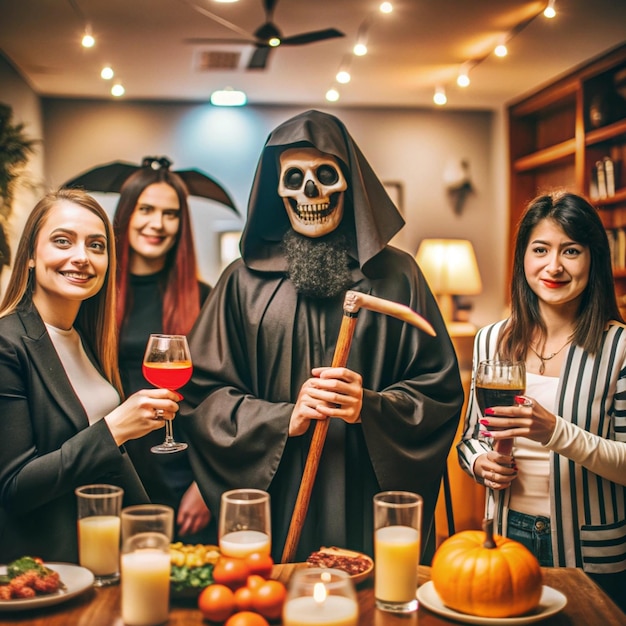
[497, 384]
[397, 528]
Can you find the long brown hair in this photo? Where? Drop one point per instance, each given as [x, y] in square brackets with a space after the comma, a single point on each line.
[96, 315]
[598, 304]
[181, 295]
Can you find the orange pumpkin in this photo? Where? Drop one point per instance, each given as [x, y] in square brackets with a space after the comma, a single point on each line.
[483, 574]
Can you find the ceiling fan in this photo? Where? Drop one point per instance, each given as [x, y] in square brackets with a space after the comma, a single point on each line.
[266, 36]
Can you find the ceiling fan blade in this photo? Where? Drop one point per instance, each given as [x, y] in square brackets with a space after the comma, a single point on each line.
[311, 37]
[269, 6]
[259, 57]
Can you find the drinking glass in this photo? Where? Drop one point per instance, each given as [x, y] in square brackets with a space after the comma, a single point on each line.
[244, 524]
[167, 363]
[497, 384]
[99, 531]
[321, 596]
[397, 532]
[144, 518]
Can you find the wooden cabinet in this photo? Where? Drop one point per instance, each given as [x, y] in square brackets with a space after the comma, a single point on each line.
[559, 135]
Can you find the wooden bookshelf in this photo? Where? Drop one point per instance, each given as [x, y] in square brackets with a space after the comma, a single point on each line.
[558, 135]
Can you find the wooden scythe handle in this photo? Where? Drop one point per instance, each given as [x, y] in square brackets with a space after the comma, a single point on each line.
[340, 358]
[354, 301]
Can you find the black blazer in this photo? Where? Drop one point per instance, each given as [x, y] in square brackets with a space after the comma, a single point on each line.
[47, 447]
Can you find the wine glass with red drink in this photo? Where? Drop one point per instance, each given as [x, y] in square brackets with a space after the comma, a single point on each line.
[167, 364]
[497, 384]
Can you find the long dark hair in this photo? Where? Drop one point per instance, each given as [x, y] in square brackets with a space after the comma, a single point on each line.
[181, 295]
[95, 319]
[598, 304]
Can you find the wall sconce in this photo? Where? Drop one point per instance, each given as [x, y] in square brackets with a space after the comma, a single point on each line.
[450, 268]
[456, 178]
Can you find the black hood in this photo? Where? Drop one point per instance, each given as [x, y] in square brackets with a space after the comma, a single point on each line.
[370, 217]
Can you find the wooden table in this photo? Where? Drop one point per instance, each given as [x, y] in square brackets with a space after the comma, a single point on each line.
[587, 605]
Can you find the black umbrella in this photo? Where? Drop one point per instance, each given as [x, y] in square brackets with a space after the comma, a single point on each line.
[109, 178]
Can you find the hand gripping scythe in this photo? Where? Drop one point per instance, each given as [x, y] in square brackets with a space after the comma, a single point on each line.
[354, 301]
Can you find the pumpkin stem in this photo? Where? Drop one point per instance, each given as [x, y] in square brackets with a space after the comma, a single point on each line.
[488, 529]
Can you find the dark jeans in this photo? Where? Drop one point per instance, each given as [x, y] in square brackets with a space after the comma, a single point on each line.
[534, 533]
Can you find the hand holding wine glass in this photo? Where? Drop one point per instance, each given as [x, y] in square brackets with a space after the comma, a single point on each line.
[167, 363]
[497, 384]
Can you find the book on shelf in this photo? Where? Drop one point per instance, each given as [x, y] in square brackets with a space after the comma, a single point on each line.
[600, 179]
[617, 247]
[609, 175]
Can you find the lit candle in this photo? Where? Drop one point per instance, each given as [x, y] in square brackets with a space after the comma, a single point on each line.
[322, 608]
[145, 587]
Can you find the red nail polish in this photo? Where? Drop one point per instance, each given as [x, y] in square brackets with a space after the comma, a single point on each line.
[519, 399]
[489, 412]
[485, 433]
[484, 422]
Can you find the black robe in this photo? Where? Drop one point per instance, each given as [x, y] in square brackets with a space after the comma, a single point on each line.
[256, 341]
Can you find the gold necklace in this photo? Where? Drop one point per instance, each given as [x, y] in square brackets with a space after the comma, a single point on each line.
[543, 359]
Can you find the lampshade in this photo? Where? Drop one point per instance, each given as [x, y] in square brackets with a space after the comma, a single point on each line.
[450, 268]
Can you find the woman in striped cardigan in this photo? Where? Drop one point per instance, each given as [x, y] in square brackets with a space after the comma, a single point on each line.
[562, 491]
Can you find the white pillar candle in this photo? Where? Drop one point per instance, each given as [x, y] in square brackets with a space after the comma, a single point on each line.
[145, 587]
[332, 611]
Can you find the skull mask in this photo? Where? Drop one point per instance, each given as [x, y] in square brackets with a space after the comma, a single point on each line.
[312, 187]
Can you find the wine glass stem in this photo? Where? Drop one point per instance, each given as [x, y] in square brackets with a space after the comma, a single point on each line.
[169, 433]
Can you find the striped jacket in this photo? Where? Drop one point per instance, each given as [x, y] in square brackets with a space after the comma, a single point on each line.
[587, 492]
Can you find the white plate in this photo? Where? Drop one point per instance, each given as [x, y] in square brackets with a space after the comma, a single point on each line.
[551, 602]
[76, 579]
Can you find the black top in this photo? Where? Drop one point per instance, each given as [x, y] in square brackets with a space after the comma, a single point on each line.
[166, 477]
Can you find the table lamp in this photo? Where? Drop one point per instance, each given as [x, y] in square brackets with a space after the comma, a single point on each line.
[451, 270]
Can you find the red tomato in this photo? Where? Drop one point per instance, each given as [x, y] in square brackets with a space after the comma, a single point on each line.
[230, 572]
[268, 599]
[243, 599]
[261, 564]
[246, 618]
[216, 603]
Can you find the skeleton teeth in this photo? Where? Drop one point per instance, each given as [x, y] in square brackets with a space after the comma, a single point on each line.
[314, 213]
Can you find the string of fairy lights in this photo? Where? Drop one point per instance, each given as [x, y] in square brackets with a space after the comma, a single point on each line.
[359, 49]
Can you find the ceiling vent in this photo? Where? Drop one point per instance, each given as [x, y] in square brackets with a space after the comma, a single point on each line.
[222, 57]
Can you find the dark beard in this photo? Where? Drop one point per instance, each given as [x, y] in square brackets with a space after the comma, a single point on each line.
[318, 267]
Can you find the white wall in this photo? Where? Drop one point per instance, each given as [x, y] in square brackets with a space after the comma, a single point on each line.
[409, 146]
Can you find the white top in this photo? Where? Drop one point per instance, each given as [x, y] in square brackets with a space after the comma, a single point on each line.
[530, 492]
[95, 393]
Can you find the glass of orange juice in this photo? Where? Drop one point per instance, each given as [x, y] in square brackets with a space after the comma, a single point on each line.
[99, 531]
[397, 528]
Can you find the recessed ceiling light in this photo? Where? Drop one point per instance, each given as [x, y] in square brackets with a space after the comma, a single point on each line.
[228, 97]
[107, 73]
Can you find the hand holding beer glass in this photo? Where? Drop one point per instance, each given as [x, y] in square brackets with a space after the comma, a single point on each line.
[497, 384]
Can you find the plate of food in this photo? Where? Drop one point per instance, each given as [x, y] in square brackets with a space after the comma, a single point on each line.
[551, 602]
[358, 565]
[29, 583]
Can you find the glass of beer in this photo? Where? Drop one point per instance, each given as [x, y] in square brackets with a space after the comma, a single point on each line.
[497, 384]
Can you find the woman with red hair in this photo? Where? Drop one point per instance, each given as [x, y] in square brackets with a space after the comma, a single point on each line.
[158, 292]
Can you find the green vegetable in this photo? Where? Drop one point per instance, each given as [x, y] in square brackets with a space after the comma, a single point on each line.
[184, 577]
[25, 564]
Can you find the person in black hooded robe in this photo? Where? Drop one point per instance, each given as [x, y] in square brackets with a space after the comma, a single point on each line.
[267, 333]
